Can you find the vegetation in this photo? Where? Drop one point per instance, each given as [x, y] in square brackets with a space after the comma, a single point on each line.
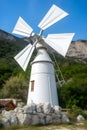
[14, 82]
[74, 91]
[16, 87]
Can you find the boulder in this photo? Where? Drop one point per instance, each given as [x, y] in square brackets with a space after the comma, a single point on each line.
[65, 119]
[57, 109]
[35, 120]
[39, 108]
[80, 118]
[47, 108]
[10, 116]
[5, 122]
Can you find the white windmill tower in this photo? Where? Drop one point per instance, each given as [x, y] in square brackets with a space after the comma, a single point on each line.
[42, 85]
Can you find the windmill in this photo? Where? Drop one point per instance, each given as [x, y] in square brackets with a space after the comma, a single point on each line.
[42, 85]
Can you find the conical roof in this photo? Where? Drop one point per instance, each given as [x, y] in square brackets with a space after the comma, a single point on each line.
[42, 56]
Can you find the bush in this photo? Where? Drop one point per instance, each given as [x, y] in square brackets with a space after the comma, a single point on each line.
[1, 125]
[16, 87]
[74, 112]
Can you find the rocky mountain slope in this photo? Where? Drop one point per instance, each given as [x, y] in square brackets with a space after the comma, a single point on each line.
[5, 36]
[76, 51]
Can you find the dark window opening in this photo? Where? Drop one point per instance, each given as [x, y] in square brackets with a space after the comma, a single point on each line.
[32, 85]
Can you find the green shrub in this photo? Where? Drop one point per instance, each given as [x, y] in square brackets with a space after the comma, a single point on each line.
[1, 125]
[74, 112]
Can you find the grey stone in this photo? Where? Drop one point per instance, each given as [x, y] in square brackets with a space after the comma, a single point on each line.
[5, 122]
[48, 119]
[39, 108]
[47, 108]
[65, 119]
[14, 120]
[57, 109]
[33, 114]
[35, 119]
[80, 118]
[27, 120]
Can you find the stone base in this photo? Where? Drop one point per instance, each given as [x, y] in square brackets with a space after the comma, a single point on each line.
[34, 114]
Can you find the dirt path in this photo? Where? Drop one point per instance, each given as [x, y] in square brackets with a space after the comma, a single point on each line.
[76, 126]
[64, 128]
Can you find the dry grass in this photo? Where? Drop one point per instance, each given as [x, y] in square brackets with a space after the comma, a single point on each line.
[70, 126]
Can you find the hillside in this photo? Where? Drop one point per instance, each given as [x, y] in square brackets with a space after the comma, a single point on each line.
[78, 50]
[73, 68]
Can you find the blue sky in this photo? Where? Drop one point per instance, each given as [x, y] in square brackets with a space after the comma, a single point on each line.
[32, 11]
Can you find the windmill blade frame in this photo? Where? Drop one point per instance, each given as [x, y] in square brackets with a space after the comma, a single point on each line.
[53, 15]
[22, 28]
[53, 40]
[59, 42]
[23, 57]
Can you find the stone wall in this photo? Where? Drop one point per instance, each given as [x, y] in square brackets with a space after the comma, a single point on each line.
[34, 114]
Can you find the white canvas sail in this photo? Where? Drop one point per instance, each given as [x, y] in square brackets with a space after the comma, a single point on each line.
[22, 28]
[59, 42]
[24, 56]
[54, 14]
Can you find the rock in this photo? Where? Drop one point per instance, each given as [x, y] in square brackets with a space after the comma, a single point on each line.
[18, 110]
[47, 108]
[35, 120]
[42, 118]
[27, 119]
[78, 50]
[28, 109]
[31, 108]
[10, 116]
[5, 122]
[39, 108]
[56, 118]
[57, 109]
[33, 114]
[20, 117]
[48, 119]
[65, 119]
[14, 120]
[80, 118]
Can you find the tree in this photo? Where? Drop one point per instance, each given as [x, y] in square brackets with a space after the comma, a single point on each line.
[5, 73]
[16, 87]
[74, 92]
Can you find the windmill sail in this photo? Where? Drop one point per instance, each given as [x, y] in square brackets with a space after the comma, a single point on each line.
[23, 57]
[22, 28]
[59, 42]
[54, 14]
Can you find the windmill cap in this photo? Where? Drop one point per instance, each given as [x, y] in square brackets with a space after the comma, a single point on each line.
[42, 56]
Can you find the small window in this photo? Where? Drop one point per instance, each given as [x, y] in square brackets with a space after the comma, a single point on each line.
[32, 85]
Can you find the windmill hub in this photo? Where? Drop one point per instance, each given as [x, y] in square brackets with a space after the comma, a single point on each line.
[39, 46]
[40, 41]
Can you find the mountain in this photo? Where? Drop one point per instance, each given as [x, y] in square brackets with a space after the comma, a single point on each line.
[9, 47]
[5, 36]
[77, 50]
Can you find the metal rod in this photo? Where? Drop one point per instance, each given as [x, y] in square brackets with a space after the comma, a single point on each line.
[41, 32]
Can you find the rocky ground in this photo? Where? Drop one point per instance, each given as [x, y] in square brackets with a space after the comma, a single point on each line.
[73, 126]
[40, 117]
[33, 114]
